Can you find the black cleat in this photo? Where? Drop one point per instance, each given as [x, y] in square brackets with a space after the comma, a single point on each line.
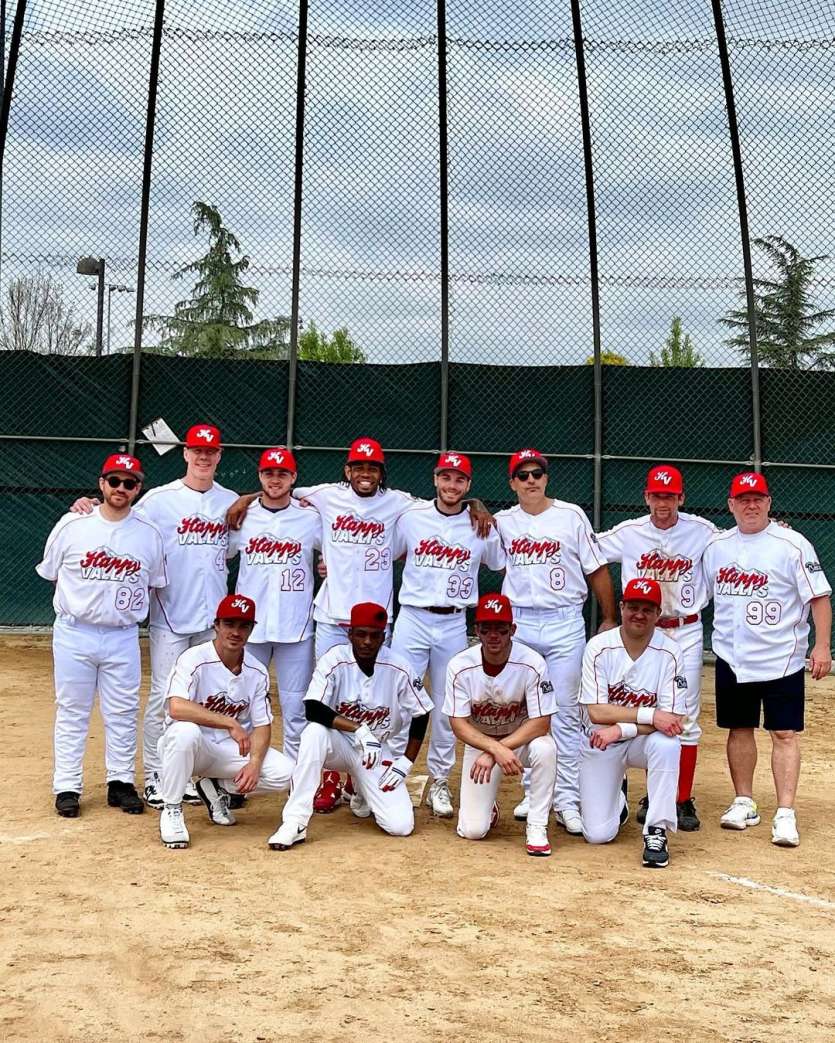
[624, 811]
[656, 855]
[641, 813]
[123, 795]
[66, 804]
[688, 820]
[237, 801]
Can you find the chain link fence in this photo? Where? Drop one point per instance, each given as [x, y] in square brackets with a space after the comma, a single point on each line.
[444, 224]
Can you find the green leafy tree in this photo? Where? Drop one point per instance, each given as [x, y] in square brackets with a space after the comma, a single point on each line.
[788, 324]
[678, 349]
[218, 319]
[609, 358]
[315, 345]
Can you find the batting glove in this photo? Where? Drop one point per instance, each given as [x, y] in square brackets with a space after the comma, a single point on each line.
[366, 741]
[395, 773]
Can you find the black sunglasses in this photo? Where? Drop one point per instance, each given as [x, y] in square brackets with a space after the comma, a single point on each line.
[536, 473]
[129, 483]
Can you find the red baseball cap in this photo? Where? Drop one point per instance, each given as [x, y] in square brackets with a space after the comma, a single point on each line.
[452, 461]
[526, 456]
[203, 436]
[643, 590]
[366, 450]
[236, 606]
[749, 482]
[369, 614]
[493, 608]
[280, 458]
[664, 478]
[122, 463]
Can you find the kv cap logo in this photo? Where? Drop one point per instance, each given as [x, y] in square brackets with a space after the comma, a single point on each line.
[237, 606]
[366, 450]
[664, 478]
[643, 590]
[454, 462]
[202, 436]
[278, 458]
[493, 608]
[369, 614]
[749, 482]
[526, 456]
[123, 463]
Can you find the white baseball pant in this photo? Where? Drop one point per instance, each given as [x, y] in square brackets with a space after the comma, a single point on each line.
[86, 659]
[690, 640]
[185, 750]
[330, 634]
[293, 670]
[325, 748]
[476, 800]
[427, 639]
[559, 635]
[601, 778]
[166, 646]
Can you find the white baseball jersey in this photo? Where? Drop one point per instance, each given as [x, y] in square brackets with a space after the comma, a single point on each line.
[276, 569]
[357, 539]
[499, 705]
[610, 675]
[762, 585]
[201, 677]
[386, 701]
[103, 569]
[443, 553]
[671, 556]
[196, 537]
[548, 555]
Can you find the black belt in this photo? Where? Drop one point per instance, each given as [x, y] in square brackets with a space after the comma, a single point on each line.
[443, 610]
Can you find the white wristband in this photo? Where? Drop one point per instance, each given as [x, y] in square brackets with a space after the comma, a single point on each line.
[645, 714]
[628, 731]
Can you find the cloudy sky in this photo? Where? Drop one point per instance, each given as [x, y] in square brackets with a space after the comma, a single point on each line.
[667, 222]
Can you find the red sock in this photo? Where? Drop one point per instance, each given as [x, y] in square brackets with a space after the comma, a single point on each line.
[686, 771]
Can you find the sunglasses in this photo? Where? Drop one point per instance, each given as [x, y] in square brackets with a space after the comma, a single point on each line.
[129, 483]
[536, 473]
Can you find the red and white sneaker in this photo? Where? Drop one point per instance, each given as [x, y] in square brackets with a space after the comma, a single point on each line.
[536, 841]
[329, 795]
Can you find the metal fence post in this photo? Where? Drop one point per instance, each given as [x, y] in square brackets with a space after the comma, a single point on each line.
[733, 127]
[293, 359]
[150, 120]
[8, 89]
[443, 185]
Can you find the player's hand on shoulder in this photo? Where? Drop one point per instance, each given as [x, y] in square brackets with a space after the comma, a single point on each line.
[84, 505]
[237, 512]
[241, 738]
[607, 624]
[481, 519]
[322, 568]
[603, 737]
[669, 723]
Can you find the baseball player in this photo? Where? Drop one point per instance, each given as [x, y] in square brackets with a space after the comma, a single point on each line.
[499, 702]
[551, 560]
[440, 581]
[276, 542]
[667, 545]
[103, 565]
[633, 705]
[360, 695]
[764, 579]
[217, 725]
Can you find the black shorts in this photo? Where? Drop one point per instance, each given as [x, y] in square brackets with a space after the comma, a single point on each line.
[738, 703]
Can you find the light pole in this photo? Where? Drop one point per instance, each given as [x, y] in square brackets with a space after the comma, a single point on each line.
[111, 289]
[95, 266]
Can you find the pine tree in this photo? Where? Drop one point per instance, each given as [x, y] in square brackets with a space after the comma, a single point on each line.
[677, 350]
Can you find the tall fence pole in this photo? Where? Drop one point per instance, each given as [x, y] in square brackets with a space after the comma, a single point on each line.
[739, 178]
[443, 143]
[8, 89]
[591, 211]
[301, 86]
[147, 165]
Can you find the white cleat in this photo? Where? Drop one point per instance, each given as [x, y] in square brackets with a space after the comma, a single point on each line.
[172, 827]
[152, 794]
[216, 800]
[287, 834]
[359, 806]
[520, 812]
[569, 819]
[440, 799]
[536, 841]
[741, 814]
[784, 828]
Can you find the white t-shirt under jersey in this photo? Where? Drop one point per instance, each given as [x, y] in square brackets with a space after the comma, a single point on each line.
[103, 569]
[761, 586]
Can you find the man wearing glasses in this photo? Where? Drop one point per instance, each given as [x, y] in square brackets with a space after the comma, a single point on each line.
[102, 564]
[551, 560]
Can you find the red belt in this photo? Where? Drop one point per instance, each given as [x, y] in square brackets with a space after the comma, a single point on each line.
[677, 621]
[442, 610]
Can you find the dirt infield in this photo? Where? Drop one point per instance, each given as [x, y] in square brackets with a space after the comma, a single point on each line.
[355, 936]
